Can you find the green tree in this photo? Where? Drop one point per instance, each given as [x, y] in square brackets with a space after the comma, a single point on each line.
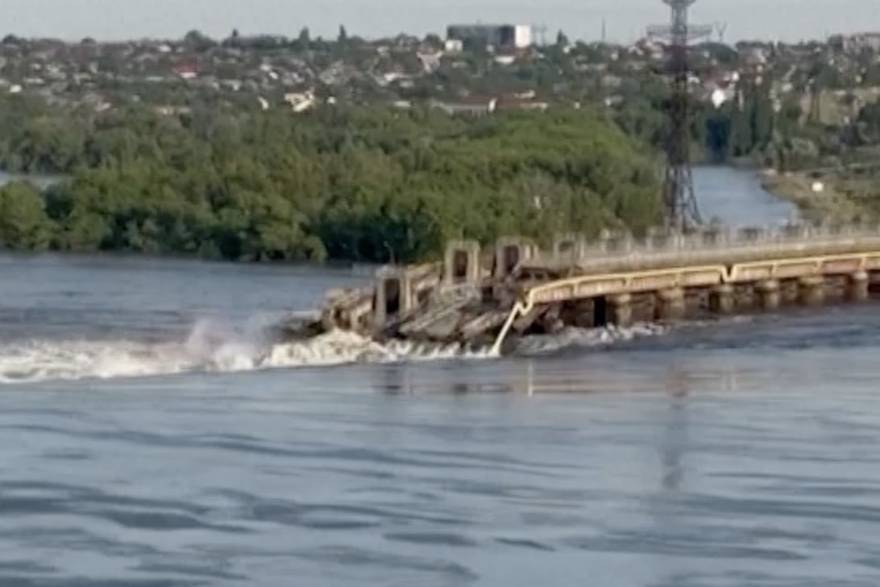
[305, 38]
[23, 221]
[562, 39]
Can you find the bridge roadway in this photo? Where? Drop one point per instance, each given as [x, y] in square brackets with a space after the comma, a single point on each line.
[758, 261]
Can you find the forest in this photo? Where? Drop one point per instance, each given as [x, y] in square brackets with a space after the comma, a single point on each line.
[355, 183]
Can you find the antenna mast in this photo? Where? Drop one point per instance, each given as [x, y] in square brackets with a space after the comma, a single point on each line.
[682, 212]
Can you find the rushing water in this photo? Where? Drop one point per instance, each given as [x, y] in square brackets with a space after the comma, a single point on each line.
[152, 434]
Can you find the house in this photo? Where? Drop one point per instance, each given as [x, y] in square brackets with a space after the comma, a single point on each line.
[186, 71]
[856, 43]
[430, 61]
[513, 103]
[173, 110]
[301, 102]
[471, 106]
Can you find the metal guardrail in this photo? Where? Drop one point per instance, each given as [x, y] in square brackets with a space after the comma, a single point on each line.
[677, 277]
[718, 246]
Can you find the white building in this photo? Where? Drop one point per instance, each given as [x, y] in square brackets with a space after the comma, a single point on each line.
[301, 102]
[497, 36]
[523, 36]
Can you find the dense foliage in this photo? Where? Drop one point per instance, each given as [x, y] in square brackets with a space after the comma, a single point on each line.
[348, 183]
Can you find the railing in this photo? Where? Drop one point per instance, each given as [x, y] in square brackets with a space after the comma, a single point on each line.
[705, 276]
[718, 246]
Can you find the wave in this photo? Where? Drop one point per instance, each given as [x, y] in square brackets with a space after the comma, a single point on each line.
[209, 348]
[585, 338]
[213, 347]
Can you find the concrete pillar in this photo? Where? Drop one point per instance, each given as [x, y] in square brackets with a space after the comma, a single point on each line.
[621, 312]
[617, 243]
[790, 292]
[552, 321]
[722, 299]
[858, 288]
[671, 304]
[380, 313]
[768, 294]
[812, 290]
[460, 253]
[400, 281]
[751, 235]
[580, 313]
[568, 247]
[509, 252]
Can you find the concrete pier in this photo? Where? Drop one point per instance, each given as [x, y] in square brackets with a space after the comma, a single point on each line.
[768, 294]
[510, 252]
[461, 263]
[620, 310]
[859, 287]
[671, 304]
[812, 291]
[393, 296]
[722, 299]
[569, 246]
[791, 292]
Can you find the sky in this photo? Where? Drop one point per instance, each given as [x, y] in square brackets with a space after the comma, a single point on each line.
[626, 20]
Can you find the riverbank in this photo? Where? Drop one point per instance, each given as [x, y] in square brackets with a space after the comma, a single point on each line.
[827, 197]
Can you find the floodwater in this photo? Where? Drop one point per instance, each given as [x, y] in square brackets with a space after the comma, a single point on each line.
[152, 434]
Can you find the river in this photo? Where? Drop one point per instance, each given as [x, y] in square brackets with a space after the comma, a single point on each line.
[714, 186]
[151, 435]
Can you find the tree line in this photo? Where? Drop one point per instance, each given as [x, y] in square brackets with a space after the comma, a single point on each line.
[356, 183]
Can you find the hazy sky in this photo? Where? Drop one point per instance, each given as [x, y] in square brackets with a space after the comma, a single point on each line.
[116, 19]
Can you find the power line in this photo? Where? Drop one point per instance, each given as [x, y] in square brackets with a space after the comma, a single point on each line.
[680, 202]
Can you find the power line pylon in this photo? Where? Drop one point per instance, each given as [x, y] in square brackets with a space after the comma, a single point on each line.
[682, 212]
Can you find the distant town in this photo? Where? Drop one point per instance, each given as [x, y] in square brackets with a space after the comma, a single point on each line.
[476, 69]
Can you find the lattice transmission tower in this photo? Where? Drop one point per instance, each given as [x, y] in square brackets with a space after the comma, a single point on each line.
[682, 212]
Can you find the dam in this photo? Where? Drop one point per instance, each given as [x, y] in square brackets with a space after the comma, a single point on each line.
[489, 296]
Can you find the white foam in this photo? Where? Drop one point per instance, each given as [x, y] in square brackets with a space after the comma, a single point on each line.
[208, 348]
[211, 347]
[585, 338]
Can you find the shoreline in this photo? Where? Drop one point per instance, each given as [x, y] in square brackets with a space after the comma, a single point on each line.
[122, 257]
[818, 199]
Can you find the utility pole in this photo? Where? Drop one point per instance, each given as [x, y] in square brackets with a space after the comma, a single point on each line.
[682, 212]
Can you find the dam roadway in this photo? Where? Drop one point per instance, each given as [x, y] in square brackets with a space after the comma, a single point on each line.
[486, 296]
